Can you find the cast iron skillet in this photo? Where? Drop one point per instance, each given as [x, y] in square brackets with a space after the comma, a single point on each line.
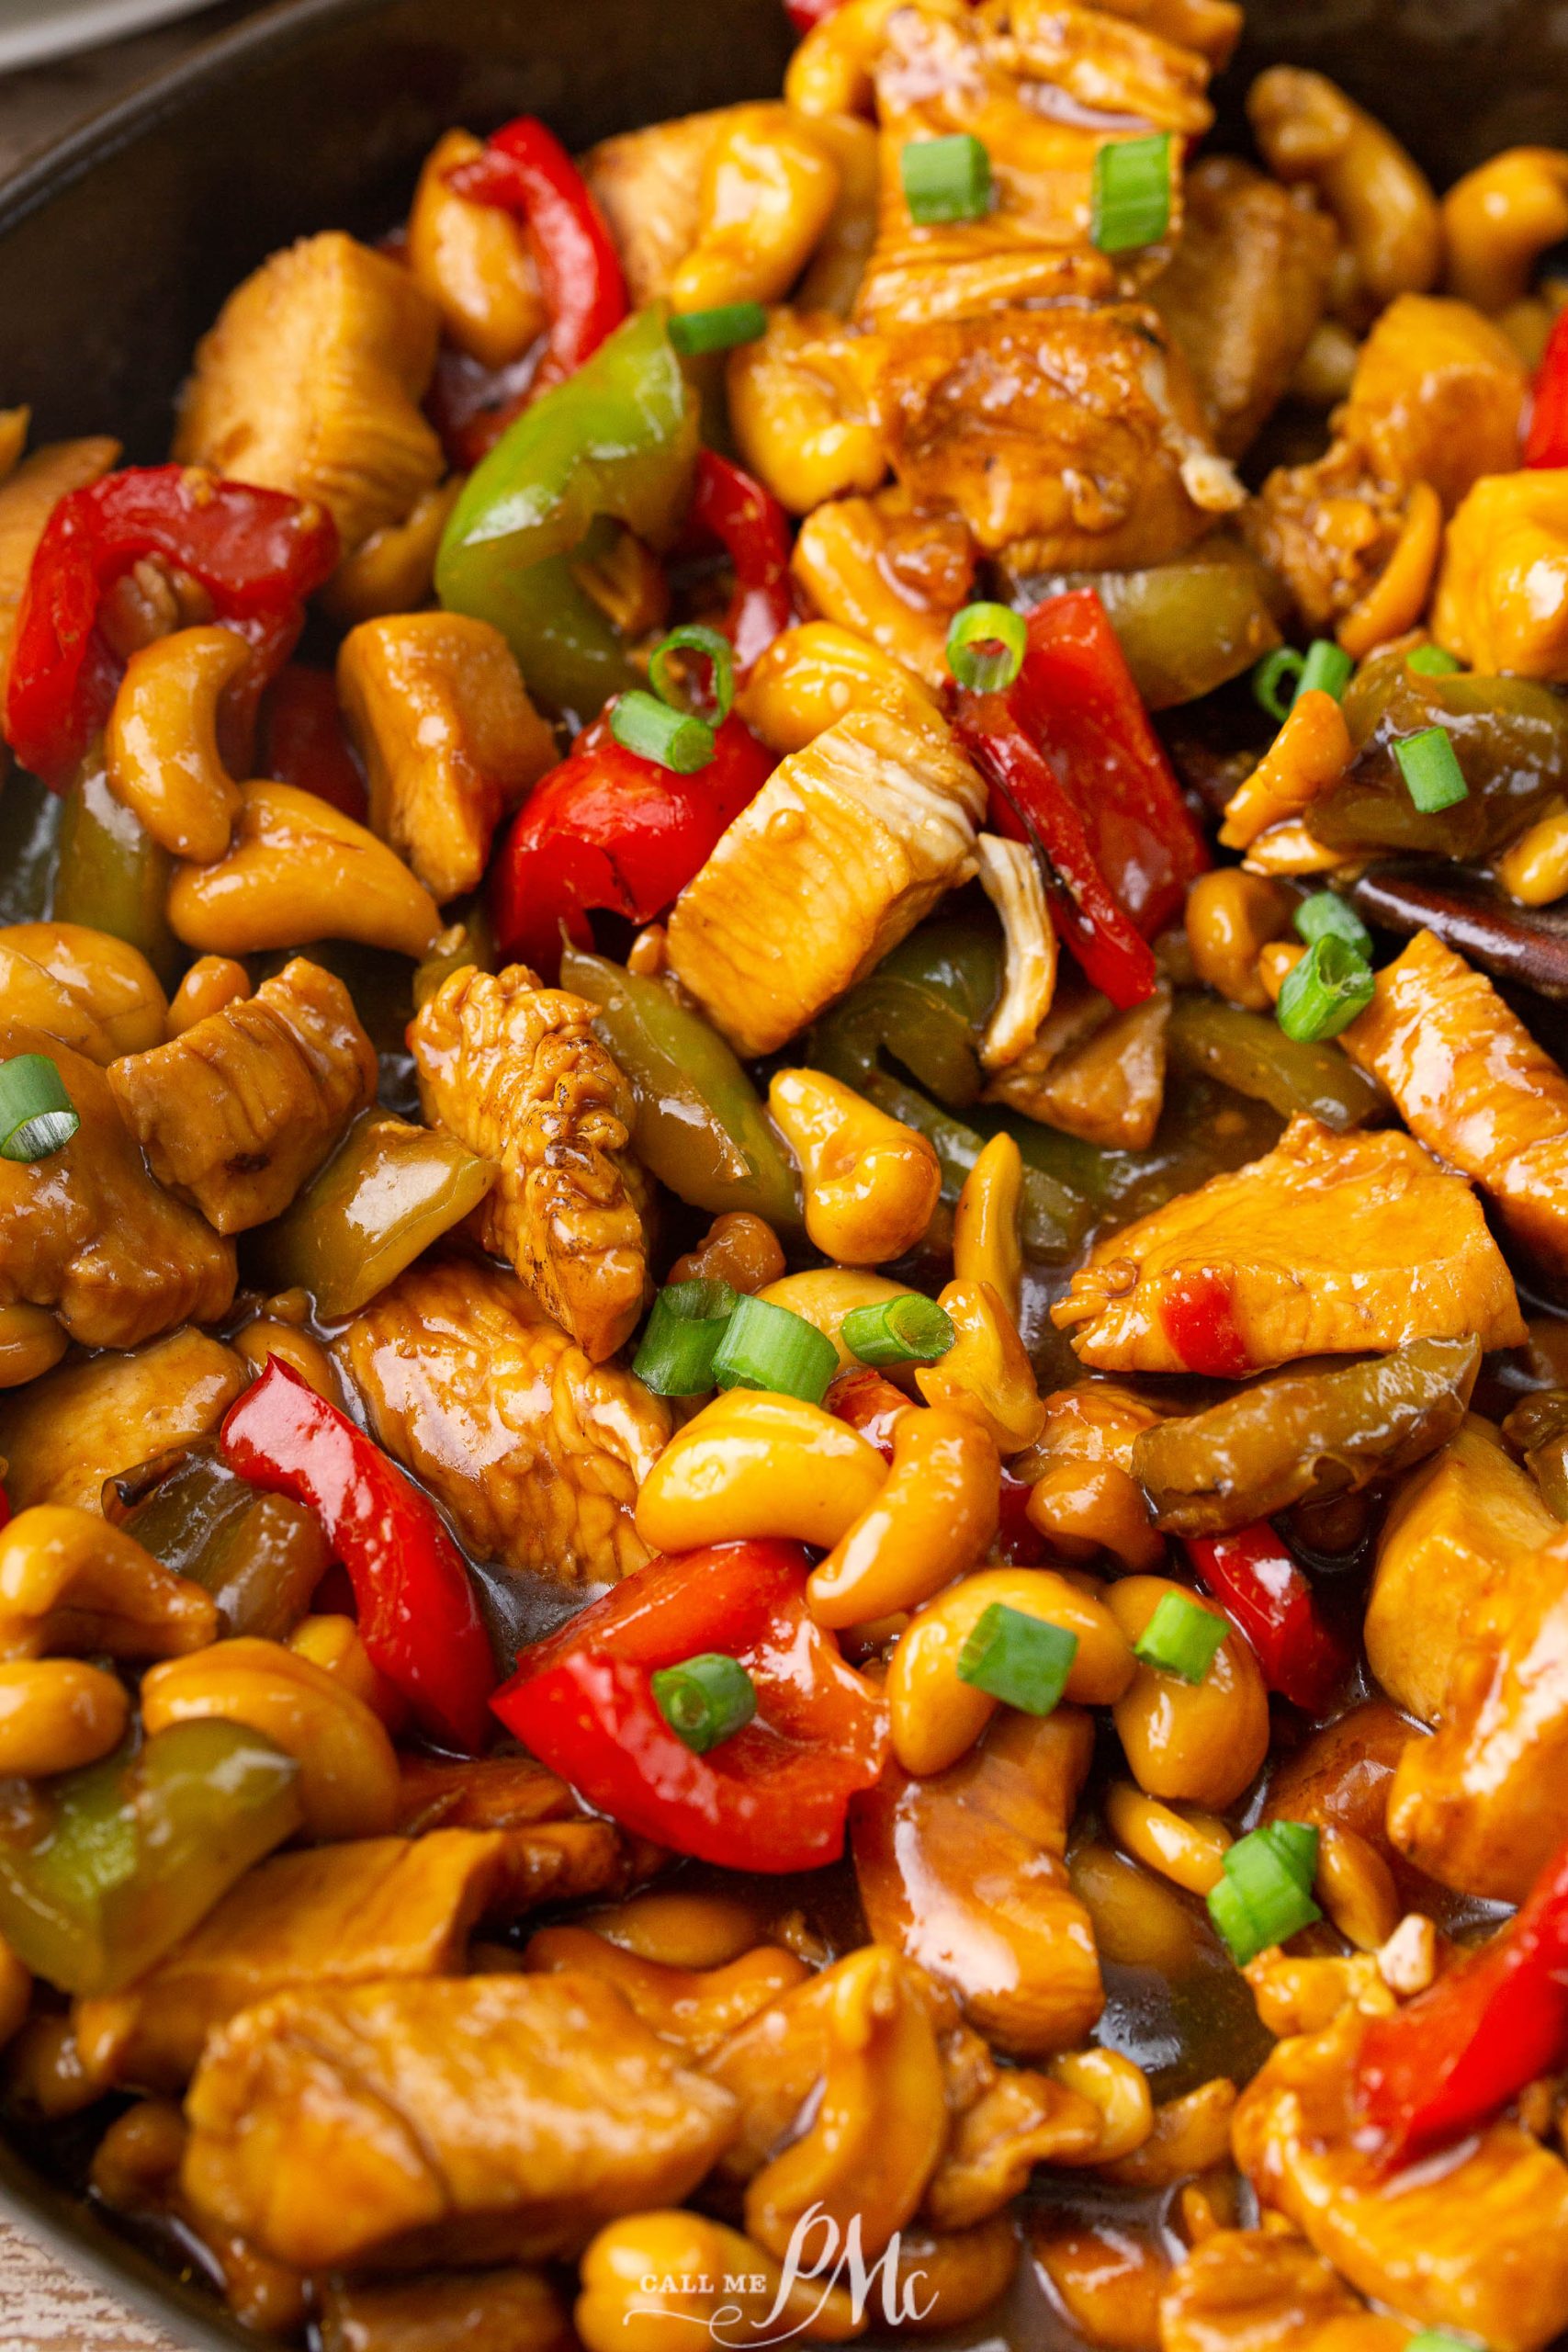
[119, 244]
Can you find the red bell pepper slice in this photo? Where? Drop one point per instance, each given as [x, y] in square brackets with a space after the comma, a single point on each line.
[258, 553]
[608, 829]
[869, 1404]
[807, 14]
[1546, 443]
[753, 530]
[771, 1798]
[1452, 2058]
[1072, 761]
[1270, 1600]
[306, 743]
[418, 1617]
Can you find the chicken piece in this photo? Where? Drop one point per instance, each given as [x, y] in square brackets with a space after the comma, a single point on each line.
[1470, 1081]
[536, 1453]
[1478, 2243]
[515, 1071]
[1244, 290]
[963, 1873]
[449, 739]
[478, 1792]
[1328, 1245]
[375, 1908]
[28, 498]
[1327, 528]
[887, 572]
[1439, 396]
[311, 382]
[93, 992]
[1071, 436]
[1083, 1497]
[483, 2310]
[86, 1232]
[64, 1435]
[1455, 1526]
[1266, 2290]
[646, 184]
[493, 2118]
[846, 845]
[1211, 27]
[1012, 880]
[1502, 601]
[1107, 1086]
[239, 1111]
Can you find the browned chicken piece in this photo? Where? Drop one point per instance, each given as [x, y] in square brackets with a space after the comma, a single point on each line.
[1340, 1779]
[1083, 1497]
[1211, 27]
[1244, 290]
[311, 382]
[1072, 437]
[1107, 1085]
[353, 1914]
[449, 739]
[28, 498]
[1005, 2119]
[648, 184]
[1471, 1083]
[86, 1232]
[489, 2120]
[1043, 87]
[536, 1453]
[478, 1792]
[1326, 1245]
[846, 845]
[93, 992]
[1327, 528]
[515, 1071]
[698, 2008]
[1478, 2243]
[963, 1873]
[482, 2311]
[1265, 2290]
[64, 1435]
[239, 1110]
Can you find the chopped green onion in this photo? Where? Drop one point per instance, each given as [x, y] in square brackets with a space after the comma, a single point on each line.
[1326, 915]
[1262, 1896]
[1325, 992]
[715, 650]
[1022, 1660]
[1269, 678]
[688, 1321]
[1429, 765]
[905, 1330]
[705, 1699]
[946, 179]
[1296, 1843]
[1432, 661]
[1437, 2339]
[985, 647]
[1130, 200]
[1327, 669]
[672, 739]
[770, 1347]
[694, 331]
[1180, 1638]
[37, 1115]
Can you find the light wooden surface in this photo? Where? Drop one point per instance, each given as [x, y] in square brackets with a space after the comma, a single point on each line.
[45, 2308]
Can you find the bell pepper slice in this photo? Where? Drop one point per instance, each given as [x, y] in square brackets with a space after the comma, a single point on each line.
[617, 442]
[753, 530]
[1452, 2058]
[807, 14]
[418, 1617]
[1270, 1600]
[1546, 442]
[258, 553]
[611, 829]
[771, 1798]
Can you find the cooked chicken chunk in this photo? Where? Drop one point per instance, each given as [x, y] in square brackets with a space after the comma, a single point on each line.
[88, 1232]
[513, 1071]
[1471, 1083]
[65, 1434]
[1244, 290]
[28, 498]
[846, 845]
[448, 736]
[493, 2118]
[482, 2310]
[1094, 1072]
[1328, 1245]
[536, 1453]
[648, 184]
[93, 992]
[311, 382]
[1478, 2243]
[239, 1110]
[1263, 2291]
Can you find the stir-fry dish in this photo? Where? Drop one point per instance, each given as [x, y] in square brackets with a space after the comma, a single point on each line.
[784, 1235]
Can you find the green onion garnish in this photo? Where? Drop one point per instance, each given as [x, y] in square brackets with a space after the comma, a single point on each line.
[1432, 661]
[1429, 765]
[36, 1116]
[715, 650]
[672, 739]
[770, 1347]
[1131, 201]
[694, 331]
[946, 179]
[705, 1700]
[1327, 669]
[905, 1330]
[1325, 992]
[1180, 1638]
[1326, 915]
[985, 646]
[1022, 1660]
[683, 1331]
[1263, 1895]
[1269, 678]
[1436, 2340]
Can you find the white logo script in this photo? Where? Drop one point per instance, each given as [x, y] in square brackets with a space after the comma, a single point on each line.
[809, 2271]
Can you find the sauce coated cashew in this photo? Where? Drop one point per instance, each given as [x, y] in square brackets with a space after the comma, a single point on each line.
[985, 1372]
[58, 1712]
[299, 870]
[755, 1463]
[1198, 1741]
[70, 1581]
[1308, 129]
[871, 1182]
[1231, 918]
[162, 743]
[1499, 220]
[988, 1246]
[697, 2007]
[814, 674]
[472, 261]
[934, 1518]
